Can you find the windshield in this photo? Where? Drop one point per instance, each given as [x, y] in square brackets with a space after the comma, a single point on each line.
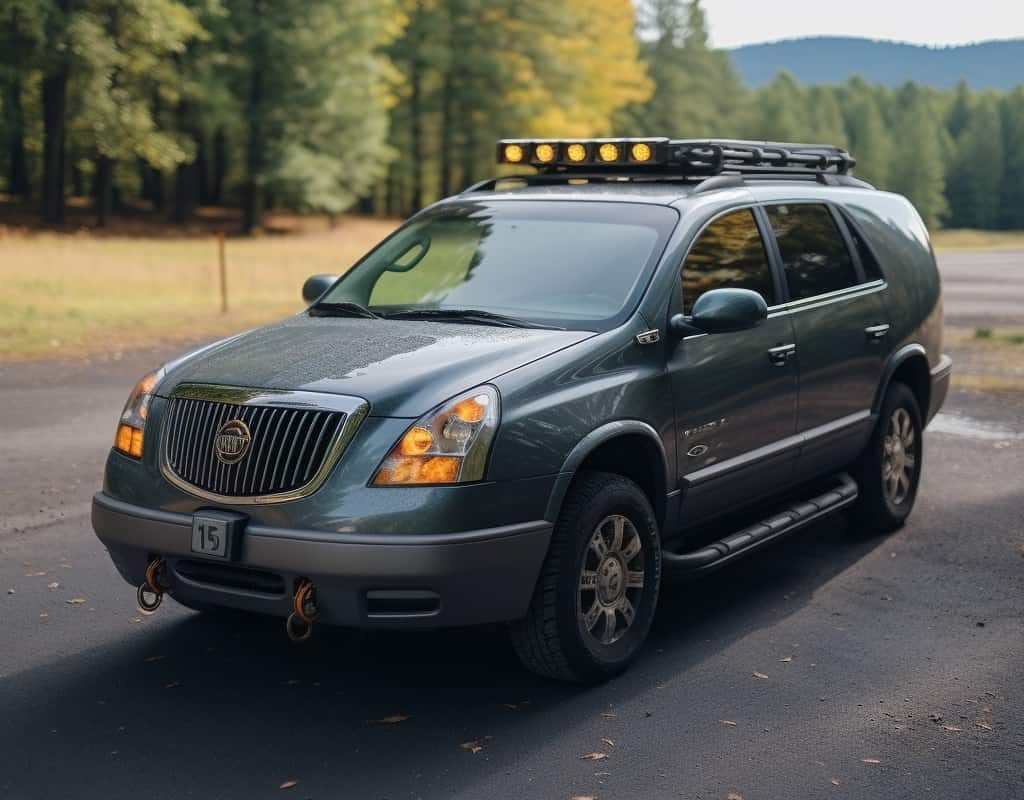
[565, 264]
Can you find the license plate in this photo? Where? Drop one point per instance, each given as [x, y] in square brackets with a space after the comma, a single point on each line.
[216, 534]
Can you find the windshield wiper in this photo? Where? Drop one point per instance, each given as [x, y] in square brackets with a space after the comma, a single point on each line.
[470, 315]
[345, 308]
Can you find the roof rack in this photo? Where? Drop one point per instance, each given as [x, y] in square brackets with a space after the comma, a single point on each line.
[718, 156]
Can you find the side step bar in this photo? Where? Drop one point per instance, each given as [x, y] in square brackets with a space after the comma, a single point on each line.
[729, 548]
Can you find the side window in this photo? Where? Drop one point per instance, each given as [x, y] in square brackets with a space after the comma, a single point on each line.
[814, 254]
[729, 254]
[872, 271]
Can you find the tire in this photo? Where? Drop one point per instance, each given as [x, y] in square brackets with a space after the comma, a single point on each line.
[889, 470]
[581, 592]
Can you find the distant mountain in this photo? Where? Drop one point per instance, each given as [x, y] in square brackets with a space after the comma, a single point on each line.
[833, 59]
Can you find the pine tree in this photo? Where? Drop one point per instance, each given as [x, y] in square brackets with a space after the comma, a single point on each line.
[976, 177]
[1011, 194]
[919, 168]
[870, 140]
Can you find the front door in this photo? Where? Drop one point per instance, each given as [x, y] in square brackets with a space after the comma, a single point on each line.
[735, 393]
[841, 328]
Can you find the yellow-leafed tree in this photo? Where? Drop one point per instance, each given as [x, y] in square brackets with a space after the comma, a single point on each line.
[602, 72]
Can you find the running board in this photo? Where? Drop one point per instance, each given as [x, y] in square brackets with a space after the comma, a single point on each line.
[796, 516]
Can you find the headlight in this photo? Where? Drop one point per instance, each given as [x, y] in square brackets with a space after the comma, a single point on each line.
[447, 445]
[133, 418]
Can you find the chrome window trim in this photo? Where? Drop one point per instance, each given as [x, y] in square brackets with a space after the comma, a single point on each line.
[355, 409]
[828, 298]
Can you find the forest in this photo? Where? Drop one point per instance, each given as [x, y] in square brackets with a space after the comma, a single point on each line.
[160, 107]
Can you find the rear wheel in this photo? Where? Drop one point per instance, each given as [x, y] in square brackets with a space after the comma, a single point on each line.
[889, 470]
[598, 589]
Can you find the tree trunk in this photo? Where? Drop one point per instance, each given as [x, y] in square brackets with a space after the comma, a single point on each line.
[220, 167]
[202, 171]
[447, 132]
[184, 176]
[469, 152]
[416, 130]
[54, 101]
[17, 166]
[77, 181]
[252, 212]
[104, 190]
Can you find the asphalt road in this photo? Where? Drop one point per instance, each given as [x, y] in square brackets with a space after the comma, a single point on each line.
[833, 665]
[983, 288]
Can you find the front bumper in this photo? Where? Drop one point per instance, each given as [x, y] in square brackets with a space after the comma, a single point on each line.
[362, 580]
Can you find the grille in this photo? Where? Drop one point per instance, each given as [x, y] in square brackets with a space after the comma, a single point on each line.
[286, 450]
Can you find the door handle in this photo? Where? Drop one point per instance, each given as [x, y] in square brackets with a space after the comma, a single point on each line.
[877, 331]
[780, 354]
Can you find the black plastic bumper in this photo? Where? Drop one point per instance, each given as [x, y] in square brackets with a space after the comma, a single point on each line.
[362, 580]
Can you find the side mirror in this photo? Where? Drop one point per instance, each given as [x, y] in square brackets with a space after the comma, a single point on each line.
[722, 311]
[316, 285]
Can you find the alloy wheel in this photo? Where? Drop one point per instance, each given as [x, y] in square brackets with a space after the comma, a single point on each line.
[611, 580]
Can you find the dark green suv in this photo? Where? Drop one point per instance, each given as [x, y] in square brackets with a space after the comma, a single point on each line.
[537, 396]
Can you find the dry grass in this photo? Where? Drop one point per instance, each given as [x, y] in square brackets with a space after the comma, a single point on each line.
[963, 239]
[77, 294]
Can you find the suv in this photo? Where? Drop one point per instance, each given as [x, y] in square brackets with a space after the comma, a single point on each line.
[539, 395]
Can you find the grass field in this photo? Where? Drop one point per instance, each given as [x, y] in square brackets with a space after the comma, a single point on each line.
[960, 239]
[76, 294]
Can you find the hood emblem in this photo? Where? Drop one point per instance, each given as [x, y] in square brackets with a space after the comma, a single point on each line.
[232, 441]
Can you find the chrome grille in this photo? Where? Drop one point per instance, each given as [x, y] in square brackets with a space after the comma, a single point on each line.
[292, 445]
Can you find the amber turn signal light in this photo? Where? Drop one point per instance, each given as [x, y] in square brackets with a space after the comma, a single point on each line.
[129, 441]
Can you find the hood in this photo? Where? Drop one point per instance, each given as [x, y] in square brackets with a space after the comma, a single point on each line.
[402, 367]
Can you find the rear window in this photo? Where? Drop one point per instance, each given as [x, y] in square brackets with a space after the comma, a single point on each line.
[814, 255]
[872, 271]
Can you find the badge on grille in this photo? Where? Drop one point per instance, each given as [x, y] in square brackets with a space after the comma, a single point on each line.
[232, 441]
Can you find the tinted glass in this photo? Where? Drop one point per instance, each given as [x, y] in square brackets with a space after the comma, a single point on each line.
[728, 254]
[813, 251]
[561, 263]
[872, 271]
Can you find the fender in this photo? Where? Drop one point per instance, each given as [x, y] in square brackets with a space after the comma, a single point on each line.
[896, 360]
[589, 443]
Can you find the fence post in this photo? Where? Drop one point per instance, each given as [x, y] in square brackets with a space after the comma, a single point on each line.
[223, 273]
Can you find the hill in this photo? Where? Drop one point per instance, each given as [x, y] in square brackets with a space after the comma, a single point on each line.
[833, 59]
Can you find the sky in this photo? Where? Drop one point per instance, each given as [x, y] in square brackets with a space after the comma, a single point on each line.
[933, 22]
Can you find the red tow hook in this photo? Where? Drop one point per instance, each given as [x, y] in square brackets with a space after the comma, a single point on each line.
[151, 591]
[299, 625]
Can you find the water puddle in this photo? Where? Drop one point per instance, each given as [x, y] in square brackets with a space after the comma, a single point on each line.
[957, 425]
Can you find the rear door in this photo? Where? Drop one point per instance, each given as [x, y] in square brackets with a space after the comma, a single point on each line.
[735, 393]
[841, 327]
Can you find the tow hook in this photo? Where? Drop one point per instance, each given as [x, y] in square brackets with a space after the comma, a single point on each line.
[151, 591]
[299, 626]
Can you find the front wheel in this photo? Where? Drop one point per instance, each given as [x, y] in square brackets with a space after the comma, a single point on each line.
[889, 470]
[598, 589]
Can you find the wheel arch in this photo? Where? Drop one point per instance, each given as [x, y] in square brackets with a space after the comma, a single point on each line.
[909, 365]
[630, 448]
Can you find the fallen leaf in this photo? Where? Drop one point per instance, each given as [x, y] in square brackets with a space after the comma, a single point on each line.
[608, 742]
[583, 797]
[75, 601]
[34, 574]
[44, 615]
[10, 591]
[473, 747]
[135, 620]
[761, 675]
[983, 726]
[785, 660]
[935, 717]
[955, 728]
[871, 761]
[594, 757]
[835, 781]
[393, 719]
[608, 715]
[728, 722]
[288, 784]
[733, 796]
[54, 585]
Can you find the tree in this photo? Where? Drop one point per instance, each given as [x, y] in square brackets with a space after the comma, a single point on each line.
[976, 175]
[919, 168]
[314, 103]
[870, 142]
[22, 37]
[1012, 190]
[782, 110]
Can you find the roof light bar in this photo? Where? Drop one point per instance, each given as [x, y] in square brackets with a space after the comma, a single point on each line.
[680, 157]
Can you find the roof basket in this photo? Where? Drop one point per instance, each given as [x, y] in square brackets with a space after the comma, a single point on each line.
[718, 156]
